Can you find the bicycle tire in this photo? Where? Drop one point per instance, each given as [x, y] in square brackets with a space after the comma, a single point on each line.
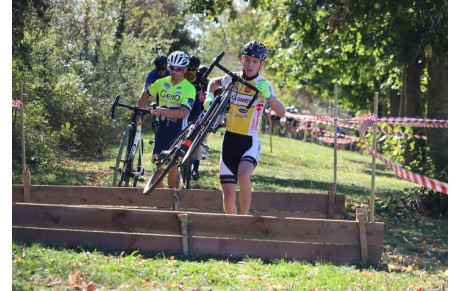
[138, 157]
[116, 171]
[127, 163]
[187, 174]
[166, 163]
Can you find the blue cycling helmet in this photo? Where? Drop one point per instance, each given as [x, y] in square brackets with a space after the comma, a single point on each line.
[255, 49]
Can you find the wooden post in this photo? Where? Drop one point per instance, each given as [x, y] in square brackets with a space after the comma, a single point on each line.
[186, 233]
[361, 218]
[25, 172]
[331, 202]
[335, 137]
[270, 124]
[374, 146]
[176, 196]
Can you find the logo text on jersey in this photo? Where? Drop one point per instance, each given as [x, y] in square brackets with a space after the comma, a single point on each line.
[164, 94]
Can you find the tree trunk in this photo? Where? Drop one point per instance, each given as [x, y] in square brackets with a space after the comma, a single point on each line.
[437, 100]
[412, 74]
[412, 98]
[394, 103]
[121, 28]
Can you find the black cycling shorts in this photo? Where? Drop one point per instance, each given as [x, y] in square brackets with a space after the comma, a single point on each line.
[235, 149]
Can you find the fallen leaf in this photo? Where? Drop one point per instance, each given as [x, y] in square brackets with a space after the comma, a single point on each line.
[90, 287]
[75, 277]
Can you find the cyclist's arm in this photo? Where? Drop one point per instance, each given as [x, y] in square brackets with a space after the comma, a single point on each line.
[179, 113]
[152, 90]
[213, 85]
[277, 106]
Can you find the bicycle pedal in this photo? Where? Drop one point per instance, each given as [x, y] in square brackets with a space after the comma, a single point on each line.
[112, 167]
[141, 180]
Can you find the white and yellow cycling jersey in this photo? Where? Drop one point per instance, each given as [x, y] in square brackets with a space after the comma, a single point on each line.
[240, 119]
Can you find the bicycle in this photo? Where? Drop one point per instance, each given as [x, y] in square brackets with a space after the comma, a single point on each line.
[180, 150]
[132, 145]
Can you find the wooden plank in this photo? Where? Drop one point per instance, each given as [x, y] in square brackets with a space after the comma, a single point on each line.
[88, 195]
[314, 204]
[99, 240]
[284, 229]
[204, 224]
[96, 218]
[237, 248]
[263, 201]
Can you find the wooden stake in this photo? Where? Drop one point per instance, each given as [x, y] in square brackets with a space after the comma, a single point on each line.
[331, 202]
[374, 146]
[176, 196]
[185, 227]
[335, 137]
[361, 218]
[25, 173]
[270, 124]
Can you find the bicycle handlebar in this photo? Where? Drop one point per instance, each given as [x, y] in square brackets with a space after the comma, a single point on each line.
[134, 108]
[215, 63]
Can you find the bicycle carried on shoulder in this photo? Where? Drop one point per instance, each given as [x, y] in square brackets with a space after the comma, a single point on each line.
[180, 150]
[132, 145]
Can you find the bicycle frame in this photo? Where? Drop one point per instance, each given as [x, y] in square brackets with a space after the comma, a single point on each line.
[133, 136]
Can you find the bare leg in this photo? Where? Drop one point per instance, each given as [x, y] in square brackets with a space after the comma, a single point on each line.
[229, 198]
[173, 178]
[245, 170]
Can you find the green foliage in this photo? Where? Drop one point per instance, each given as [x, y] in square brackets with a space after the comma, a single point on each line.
[74, 58]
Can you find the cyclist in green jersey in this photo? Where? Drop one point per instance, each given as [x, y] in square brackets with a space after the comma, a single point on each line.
[176, 99]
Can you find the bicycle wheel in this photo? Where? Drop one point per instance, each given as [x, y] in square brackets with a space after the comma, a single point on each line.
[127, 169]
[121, 149]
[139, 170]
[167, 162]
[186, 172]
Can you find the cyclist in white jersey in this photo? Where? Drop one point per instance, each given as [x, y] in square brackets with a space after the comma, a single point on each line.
[241, 145]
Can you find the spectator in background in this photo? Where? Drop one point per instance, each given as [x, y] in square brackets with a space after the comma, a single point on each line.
[160, 71]
[194, 77]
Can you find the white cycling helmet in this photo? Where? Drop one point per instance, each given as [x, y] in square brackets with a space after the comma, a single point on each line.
[178, 59]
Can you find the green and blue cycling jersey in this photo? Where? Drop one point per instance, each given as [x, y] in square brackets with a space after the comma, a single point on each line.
[171, 97]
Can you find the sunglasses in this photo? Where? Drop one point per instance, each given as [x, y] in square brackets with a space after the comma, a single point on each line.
[175, 69]
[193, 70]
[161, 69]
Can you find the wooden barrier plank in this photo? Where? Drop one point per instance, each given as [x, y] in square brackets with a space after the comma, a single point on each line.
[273, 213]
[263, 202]
[284, 229]
[219, 247]
[89, 195]
[99, 240]
[96, 218]
[204, 224]
[338, 254]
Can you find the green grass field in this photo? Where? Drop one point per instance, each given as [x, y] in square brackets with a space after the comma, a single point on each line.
[415, 253]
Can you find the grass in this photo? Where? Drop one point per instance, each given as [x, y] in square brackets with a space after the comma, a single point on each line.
[415, 254]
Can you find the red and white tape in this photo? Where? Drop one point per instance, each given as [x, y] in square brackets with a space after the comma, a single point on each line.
[17, 103]
[401, 133]
[427, 182]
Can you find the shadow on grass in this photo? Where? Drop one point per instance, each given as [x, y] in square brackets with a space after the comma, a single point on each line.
[270, 183]
[60, 175]
[379, 169]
